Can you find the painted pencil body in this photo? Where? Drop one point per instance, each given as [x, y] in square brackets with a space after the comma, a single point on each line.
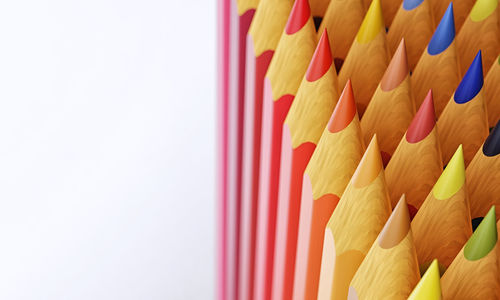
[483, 176]
[429, 287]
[438, 68]
[342, 20]
[308, 116]
[492, 92]
[416, 163]
[414, 23]
[474, 272]
[464, 119]
[390, 269]
[289, 63]
[339, 151]
[480, 32]
[443, 224]
[262, 40]
[391, 108]
[461, 8]
[354, 225]
[367, 58]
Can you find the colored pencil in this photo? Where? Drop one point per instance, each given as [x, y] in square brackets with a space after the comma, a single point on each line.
[474, 273]
[342, 20]
[389, 9]
[483, 176]
[479, 32]
[414, 23]
[391, 108]
[462, 9]
[308, 116]
[438, 68]
[353, 227]
[464, 119]
[416, 163]
[262, 39]
[368, 57]
[492, 92]
[282, 80]
[442, 225]
[390, 269]
[429, 287]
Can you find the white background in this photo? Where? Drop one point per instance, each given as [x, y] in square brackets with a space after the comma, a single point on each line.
[107, 139]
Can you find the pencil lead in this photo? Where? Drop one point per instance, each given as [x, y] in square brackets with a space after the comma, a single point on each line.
[298, 17]
[472, 82]
[411, 4]
[452, 178]
[429, 287]
[444, 34]
[484, 239]
[321, 60]
[396, 227]
[423, 122]
[491, 146]
[397, 70]
[370, 165]
[345, 110]
[372, 23]
[482, 9]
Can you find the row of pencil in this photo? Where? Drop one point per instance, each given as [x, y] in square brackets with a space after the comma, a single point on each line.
[336, 119]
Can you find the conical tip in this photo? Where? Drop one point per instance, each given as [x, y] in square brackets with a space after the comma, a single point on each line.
[423, 122]
[301, 12]
[397, 70]
[370, 165]
[444, 34]
[321, 60]
[491, 146]
[429, 287]
[372, 24]
[472, 82]
[344, 111]
[484, 239]
[452, 178]
[397, 226]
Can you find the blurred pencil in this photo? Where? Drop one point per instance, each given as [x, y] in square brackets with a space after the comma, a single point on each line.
[353, 227]
[479, 32]
[474, 273]
[429, 287]
[342, 20]
[438, 68]
[391, 108]
[368, 57]
[262, 39]
[442, 225]
[308, 116]
[492, 92]
[483, 176]
[414, 23]
[464, 119]
[461, 8]
[416, 163]
[390, 269]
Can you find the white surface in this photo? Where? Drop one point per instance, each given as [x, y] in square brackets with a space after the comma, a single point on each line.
[107, 145]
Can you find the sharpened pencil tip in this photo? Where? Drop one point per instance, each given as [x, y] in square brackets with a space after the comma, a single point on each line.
[397, 226]
[429, 287]
[423, 122]
[321, 60]
[444, 34]
[370, 165]
[472, 82]
[344, 111]
[372, 24]
[452, 178]
[397, 70]
[484, 239]
[491, 146]
[298, 16]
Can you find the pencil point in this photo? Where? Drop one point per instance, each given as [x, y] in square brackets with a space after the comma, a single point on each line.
[472, 82]
[370, 165]
[423, 122]
[321, 60]
[344, 111]
[397, 70]
[482, 9]
[452, 178]
[429, 287]
[372, 23]
[484, 239]
[491, 146]
[298, 17]
[444, 34]
[411, 4]
[396, 227]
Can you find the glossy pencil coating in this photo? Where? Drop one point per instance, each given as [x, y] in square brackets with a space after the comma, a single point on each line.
[444, 34]
[423, 122]
[461, 10]
[429, 287]
[491, 146]
[372, 23]
[472, 82]
[484, 238]
[453, 177]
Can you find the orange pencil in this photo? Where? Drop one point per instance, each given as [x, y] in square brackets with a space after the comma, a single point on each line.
[492, 92]
[416, 163]
[414, 23]
[262, 40]
[462, 9]
[390, 269]
[474, 273]
[342, 20]
[483, 176]
[464, 119]
[391, 108]
[479, 32]
[368, 57]
[442, 225]
[438, 68]
[353, 227]
[339, 151]
[308, 116]
[285, 72]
